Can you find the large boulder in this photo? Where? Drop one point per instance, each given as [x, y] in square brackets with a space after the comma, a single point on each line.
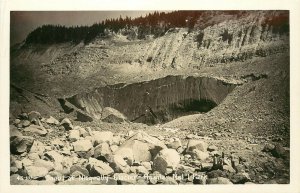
[35, 172]
[34, 117]
[20, 144]
[112, 115]
[119, 164]
[135, 150]
[196, 144]
[51, 120]
[82, 131]
[166, 161]
[14, 132]
[174, 143]
[74, 135]
[200, 155]
[54, 156]
[82, 145]
[102, 136]
[103, 151]
[99, 168]
[45, 164]
[77, 170]
[37, 147]
[66, 123]
[83, 148]
[40, 130]
[140, 147]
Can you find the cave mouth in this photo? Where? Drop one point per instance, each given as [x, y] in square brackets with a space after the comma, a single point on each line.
[175, 110]
[155, 101]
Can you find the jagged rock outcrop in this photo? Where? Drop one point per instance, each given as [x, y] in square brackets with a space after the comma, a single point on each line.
[157, 100]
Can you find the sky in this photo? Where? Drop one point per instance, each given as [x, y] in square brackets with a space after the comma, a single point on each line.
[23, 22]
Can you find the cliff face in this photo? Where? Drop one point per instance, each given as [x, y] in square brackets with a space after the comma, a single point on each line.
[155, 101]
[223, 40]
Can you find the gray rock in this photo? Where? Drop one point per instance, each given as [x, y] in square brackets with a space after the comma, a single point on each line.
[20, 144]
[25, 123]
[102, 136]
[240, 178]
[37, 147]
[103, 150]
[15, 132]
[34, 116]
[40, 130]
[54, 156]
[33, 156]
[82, 145]
[279, 152]
[24, 162]
[147, 165]
[51, 120]
[45, 164]
[119, 164]
[174, 144]
[82, 131]
[76, 168]
[23, 116]
[141, 170]
[98, 168]
[167, 158]
[74, 135]
[17, 121]
[134, 150]
[114, 148]
[13, 170]
[206, 166]
[66, 123]
[200, 155]
[140, 147]
[196, 144]
[35, 172]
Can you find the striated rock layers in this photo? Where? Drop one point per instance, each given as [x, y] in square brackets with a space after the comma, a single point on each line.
[219, 39]
[155, 101]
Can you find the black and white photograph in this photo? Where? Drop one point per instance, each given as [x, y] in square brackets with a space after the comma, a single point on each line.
[149, 97]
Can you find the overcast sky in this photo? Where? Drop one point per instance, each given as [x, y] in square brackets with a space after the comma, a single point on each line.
[23, 22]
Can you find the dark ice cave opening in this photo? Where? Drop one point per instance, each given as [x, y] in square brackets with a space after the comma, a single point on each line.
[175, 110]
[155, 101]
